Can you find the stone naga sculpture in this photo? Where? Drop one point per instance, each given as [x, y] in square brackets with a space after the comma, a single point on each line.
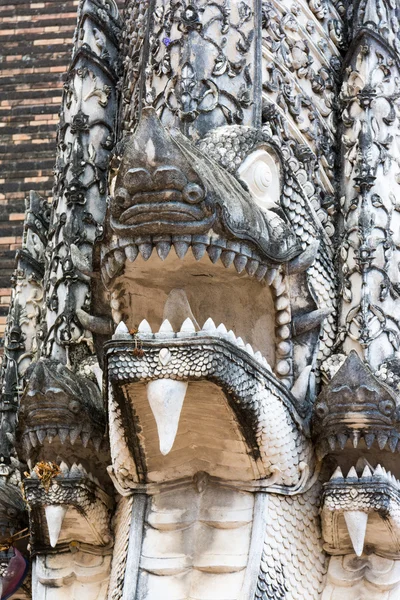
[200, 394]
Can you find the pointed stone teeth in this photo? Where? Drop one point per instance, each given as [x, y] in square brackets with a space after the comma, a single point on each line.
[55, 517]
[63, 434]
[214, 252]
[378, 471]
[355, 438]
[199, 250]
[85, 437]
[121, 330]
[356, 522]
[231, 336]
[166, 327]
[227, 258]
[222, 329]
[352, 474]
[338, 474]
[163, 249]
[258, 356]
[64, 469]
[131, 252]
[209, 325]
[382, 439]
[181, 245]
[393, 443]
[144, 327]
[51, 434]
[240, 342]
[74, 433]
[75, 471]
[97, 443]
[188, 326]
[240, 263]
[145, 250]
[250, 349]
[342, 439]
[367, 472]
[166, 398]
[41, 434]
[369, 439]
[252, 267]
[33, 438]
[332, 442]
[261, 272]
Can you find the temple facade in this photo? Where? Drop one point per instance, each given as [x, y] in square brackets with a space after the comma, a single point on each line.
[200, 389]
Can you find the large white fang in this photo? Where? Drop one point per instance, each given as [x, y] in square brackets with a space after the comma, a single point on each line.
[166, 398]
[356, 522]
[55, 516]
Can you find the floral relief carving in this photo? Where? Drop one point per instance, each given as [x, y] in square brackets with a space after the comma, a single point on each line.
[186, 88]
[370, 246]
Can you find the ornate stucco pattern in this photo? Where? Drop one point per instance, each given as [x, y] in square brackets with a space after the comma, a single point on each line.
[86, 137]
[369, 206]
[134, 35]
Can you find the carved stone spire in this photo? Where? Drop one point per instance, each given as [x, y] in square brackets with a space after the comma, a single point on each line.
[370, 209]
[85, 139]
[21, 347]
[23, 338]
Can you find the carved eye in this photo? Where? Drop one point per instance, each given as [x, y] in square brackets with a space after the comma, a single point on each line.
[74, 406]
[12, 512]
[261, 174]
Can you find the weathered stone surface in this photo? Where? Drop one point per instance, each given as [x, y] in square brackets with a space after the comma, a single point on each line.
[193, 310]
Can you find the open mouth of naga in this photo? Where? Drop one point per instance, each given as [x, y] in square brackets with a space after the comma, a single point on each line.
[176, 307]
[199, 377]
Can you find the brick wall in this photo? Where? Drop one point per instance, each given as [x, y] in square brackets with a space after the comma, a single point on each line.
[35, 48]
[35, 43]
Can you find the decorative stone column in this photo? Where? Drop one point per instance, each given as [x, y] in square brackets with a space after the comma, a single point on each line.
[61, 417]
[86, 137]
[370, 208]
[356, 420]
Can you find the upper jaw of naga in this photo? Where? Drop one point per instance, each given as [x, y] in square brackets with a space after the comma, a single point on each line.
[162, 185]
[357, 412]
[171, 202]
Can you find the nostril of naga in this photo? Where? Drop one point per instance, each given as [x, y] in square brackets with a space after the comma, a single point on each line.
[193, 193]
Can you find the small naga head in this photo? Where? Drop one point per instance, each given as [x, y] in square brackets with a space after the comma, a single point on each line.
[61, 415]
